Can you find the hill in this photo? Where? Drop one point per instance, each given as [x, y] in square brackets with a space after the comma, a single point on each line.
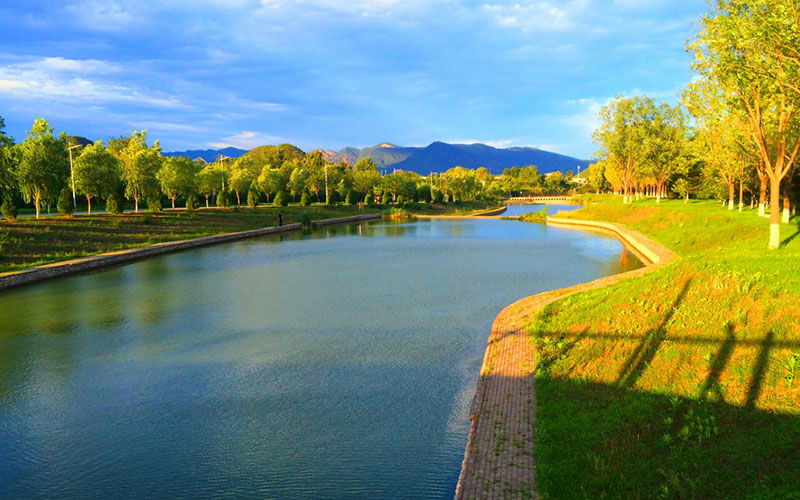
[209, 155]
[440, 156]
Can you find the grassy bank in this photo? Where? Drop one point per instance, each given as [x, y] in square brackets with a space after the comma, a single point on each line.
[684, 383]
[28, 242]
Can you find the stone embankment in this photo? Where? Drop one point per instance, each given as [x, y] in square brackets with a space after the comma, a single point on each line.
[499, 458]
[83, 264]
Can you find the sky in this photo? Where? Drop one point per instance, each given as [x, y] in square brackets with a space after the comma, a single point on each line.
[328, 74]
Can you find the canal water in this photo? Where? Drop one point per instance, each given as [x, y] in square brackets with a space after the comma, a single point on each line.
[335, 364]
[517, 210]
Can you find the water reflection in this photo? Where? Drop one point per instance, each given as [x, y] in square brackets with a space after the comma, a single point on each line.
[333, 364]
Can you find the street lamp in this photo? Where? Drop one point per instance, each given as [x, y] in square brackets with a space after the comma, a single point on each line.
[72, 175]
[222, 164]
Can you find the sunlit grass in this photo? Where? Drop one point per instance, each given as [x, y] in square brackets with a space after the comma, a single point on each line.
[690, 370]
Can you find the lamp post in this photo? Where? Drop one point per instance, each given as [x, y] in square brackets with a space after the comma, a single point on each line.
[326, 186]
[222, 159]
[72, 175]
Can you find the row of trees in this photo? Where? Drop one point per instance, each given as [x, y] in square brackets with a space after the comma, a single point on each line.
[738, 123]
[45, 166]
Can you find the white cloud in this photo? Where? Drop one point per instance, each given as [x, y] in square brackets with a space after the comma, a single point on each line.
[247, 140]
[533, 15]
[76, 82]
[104, 15]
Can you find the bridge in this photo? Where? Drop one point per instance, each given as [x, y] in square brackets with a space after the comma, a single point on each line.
[535, 200]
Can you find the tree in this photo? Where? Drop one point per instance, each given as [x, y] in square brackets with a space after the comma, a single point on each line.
[7, 163]
[365, 176]
[297, 181]
[43, 165]
[749, 48]
[244, 174]
[621, 138]
[665, 145]
[682, 189]
[96, 172]
[139, 165]
[178, 177]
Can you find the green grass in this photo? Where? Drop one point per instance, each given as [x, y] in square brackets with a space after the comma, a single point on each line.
[680, 383]
[28, 242]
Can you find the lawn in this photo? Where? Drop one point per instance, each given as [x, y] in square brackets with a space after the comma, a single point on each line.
[685, 382]
[27, 241]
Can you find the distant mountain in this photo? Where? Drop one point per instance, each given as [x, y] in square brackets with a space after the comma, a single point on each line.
[209, 155]
[440, 156]
[76, 139]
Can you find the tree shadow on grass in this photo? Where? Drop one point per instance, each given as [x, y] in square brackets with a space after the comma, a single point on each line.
[788, 240]
[604, 441]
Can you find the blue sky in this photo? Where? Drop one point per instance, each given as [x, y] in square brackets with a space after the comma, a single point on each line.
[334, 73]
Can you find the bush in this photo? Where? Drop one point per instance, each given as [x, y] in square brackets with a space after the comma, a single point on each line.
[280, 199]
[64, 204]
[305, 221]
[348, 200]
[305, 200]
[113, 206]
[9, 209]
[369, 198]
[252, 198]
[191, 203]
[223, 199]
[154, 204]
[398, 214]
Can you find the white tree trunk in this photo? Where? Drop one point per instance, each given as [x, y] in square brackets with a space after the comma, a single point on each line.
[786, 216]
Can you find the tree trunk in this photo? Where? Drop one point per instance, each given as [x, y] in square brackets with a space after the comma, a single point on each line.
[136, 204]
[786, 200]
[775, 214]
[741, 195]
[762, 196]
[89, 202]
[37, 201]
[173, 202]
[238, 200]
[686, 199]
[658, 193]
[731, 194]
[206, 200]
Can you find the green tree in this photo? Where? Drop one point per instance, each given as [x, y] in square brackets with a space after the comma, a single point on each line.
[252, 198]
[139, 165]
[43, 166]
[178, 177]
[64, 204]
[207, 182]
[365, 175]
[96, 172]
[749, 48]
[244, 174]
[297, 181]
[7, 163]
[665, 145]
[621, 139]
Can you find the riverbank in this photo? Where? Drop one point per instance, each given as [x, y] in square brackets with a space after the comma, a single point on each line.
[682, 383]
[499, 460]
[80, 265]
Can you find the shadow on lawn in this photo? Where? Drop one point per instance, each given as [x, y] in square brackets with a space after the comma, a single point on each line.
[794, 235]
[605, 441]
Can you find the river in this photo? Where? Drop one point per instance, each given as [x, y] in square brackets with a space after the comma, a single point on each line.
[335, 364]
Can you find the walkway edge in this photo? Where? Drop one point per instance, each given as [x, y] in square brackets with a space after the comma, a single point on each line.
[473, 481]
[74, 266]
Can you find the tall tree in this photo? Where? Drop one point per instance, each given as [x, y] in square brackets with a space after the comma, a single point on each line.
[621, 138]
[244, 173]
[43, 165]
[749, 47]
[96, 172]
[139, 164]
[365, 176]
[7, 162]
[665, 146]
[178, 177]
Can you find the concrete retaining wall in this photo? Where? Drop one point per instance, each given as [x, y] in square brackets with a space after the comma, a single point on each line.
[75, 266]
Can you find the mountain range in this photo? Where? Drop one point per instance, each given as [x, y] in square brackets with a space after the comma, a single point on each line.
[436, 157]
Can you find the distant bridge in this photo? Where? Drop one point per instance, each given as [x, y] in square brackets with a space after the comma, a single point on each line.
[533, 200]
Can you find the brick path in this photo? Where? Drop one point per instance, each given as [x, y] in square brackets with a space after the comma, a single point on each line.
[499, 459]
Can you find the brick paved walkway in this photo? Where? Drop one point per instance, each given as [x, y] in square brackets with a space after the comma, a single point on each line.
[499, 460]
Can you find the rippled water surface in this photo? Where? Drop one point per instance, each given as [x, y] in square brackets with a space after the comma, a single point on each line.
[517, 210]
[338, 364]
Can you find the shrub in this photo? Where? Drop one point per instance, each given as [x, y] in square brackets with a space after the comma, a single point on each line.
[305, 200]
[398, 214]
[252, 198]
[369, 198]
[154, 204]
[223, 199]
[9, 209]
[64, 204]
[349, 198]
[113, 206]
[540, 216]
[191, 203]
[280, 199]
[305, 221]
